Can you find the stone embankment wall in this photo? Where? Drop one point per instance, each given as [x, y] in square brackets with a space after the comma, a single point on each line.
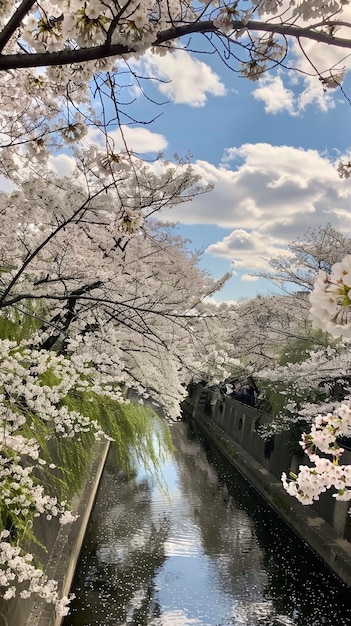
[232, 426]
[63, 545]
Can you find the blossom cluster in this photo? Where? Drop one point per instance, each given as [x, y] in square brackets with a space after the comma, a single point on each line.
[34, 383]
[16, 567]
[323, 473]
[87, 23]
[52, 26]
[331, 299]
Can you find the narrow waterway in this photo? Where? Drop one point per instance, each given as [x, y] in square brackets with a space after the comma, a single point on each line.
[208, 553]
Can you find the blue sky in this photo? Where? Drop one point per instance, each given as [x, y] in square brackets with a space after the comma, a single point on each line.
[270, 148]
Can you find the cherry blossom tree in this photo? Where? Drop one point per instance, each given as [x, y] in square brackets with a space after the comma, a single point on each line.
[274, 339]
[107, 284]
[116, 301]
[318, 249]
[261, 327]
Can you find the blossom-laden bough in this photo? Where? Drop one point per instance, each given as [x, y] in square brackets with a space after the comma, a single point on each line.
[77, 32]
[33, 391]
[114, 287]
[330, 311]
[114, 301]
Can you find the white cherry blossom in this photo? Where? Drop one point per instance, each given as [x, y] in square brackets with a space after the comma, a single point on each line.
[119, 299]
[324, 473]
[63, 46]
[331, 299]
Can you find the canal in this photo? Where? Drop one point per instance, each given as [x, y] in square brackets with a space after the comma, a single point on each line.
[198, 547]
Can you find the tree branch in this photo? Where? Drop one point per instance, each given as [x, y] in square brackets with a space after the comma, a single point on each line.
[69, 314]
[14, 22]
[68, 56]
[81, 209]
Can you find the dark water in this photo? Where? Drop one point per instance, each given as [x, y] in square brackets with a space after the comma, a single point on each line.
[210, 553]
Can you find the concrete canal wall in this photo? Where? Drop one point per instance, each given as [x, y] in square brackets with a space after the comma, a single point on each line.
[232, 426]
[63, 544]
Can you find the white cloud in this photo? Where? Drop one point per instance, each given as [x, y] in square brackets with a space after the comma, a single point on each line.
[187, 80]
[63, 164]
[249, 278]
[276, 97]
[247, 249]
[268, 184]
[142, 140]
[212, 300]
[272, 196]
[139, 140]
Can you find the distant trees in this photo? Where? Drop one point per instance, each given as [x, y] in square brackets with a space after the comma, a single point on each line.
[274, 339]
[317, 250]
[275, 330]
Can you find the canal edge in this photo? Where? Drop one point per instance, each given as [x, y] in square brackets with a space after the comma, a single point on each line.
[313, 530]
[66, 549]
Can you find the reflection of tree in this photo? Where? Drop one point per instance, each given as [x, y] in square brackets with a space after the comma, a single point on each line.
[266, 571]
[297, 585]
[228, 534]
[122, 552]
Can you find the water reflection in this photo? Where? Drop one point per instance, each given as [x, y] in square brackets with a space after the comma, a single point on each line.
[207, 553]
